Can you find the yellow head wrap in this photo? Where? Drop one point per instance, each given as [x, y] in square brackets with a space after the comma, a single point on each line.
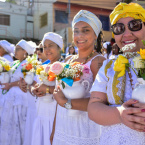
[123, 10]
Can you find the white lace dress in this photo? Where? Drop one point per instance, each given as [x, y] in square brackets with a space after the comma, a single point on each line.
[8, 58]
[79, 129]
[107, 82]
[14, 113]
[43, 123]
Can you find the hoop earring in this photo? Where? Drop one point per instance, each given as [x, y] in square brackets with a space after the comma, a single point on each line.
[25, 55]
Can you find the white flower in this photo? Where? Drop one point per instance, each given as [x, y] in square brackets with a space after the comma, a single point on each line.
[1, 68]
[138, 62]
[128, 47]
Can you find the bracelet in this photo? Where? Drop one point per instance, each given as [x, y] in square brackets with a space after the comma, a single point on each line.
[9, 84]
[47, 90]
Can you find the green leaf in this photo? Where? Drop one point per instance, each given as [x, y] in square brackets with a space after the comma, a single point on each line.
[143, 42]
[63, 85]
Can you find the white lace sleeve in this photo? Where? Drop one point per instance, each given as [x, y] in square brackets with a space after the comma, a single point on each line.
[101, 80]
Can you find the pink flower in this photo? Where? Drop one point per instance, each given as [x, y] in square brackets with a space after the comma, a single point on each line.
[23, 64]
[86, 69]
[56, 68]
[47, 69]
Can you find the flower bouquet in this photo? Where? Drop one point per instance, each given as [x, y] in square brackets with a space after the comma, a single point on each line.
[139, 69]
[48, 78]
[29, 69]
[69, 78]
[122, 65]
[4, 71]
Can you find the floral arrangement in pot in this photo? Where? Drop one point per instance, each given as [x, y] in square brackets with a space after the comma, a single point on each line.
[68, 76]
[48, 78]
[45, 75]
[139, 69]
[4, 71]
[122, 64]
[29, 68]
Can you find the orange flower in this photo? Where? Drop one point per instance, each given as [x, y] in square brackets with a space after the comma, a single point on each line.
[77, 79]
[51, 78]
[51, 74]
[29, 67]
[75, 63]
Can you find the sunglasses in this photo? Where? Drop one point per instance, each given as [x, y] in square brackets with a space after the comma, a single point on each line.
[39, 49]
[133, 25]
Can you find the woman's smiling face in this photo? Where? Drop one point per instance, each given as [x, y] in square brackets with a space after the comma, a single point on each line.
[129, 36]
[83, 35]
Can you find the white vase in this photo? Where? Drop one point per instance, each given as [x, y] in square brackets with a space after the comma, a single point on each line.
[77, 91]
[29, 78]
[4, 77]
[139, 91]
[48, 97]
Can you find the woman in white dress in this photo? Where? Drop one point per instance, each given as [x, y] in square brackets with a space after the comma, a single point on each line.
[111, 104]
[7, 50]
[14, 112]
[79, 129]
[46, 106]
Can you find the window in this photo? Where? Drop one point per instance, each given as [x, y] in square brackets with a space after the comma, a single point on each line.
[61, 17]
[105, 22]
[43, 20]
[4, 19]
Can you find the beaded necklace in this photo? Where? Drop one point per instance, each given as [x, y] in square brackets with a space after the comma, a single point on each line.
[77, 56]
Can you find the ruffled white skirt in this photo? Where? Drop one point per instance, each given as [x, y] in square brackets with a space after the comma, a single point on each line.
[121, 135]
[75, 130]
[43, 124]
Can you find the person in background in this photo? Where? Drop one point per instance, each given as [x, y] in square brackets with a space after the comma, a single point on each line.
[41, 56]
[112, 41]
[107, 50]
[71, 51]
[15, 101]
[7, 50]
[42, 128]
[67, 49]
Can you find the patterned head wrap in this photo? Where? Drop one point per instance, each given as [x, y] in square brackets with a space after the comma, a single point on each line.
[123, 10]
[56, 38]
[89, 18]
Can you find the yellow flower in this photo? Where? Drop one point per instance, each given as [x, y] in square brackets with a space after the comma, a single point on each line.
[119, 65]
[138, 63]
[142, 53]
[38, 70]
[7, 67]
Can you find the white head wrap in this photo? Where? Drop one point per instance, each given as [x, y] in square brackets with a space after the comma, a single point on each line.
[56, 38]
[8, 47]
[90, 18]
[29, 46]
[106, 44]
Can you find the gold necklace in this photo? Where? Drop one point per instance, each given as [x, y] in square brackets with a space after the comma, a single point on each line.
[88, 57]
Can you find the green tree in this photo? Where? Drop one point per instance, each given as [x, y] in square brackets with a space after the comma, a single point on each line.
[128, 1]
[11, 1]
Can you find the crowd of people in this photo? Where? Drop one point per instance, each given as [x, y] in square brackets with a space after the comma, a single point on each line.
[106, 115]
